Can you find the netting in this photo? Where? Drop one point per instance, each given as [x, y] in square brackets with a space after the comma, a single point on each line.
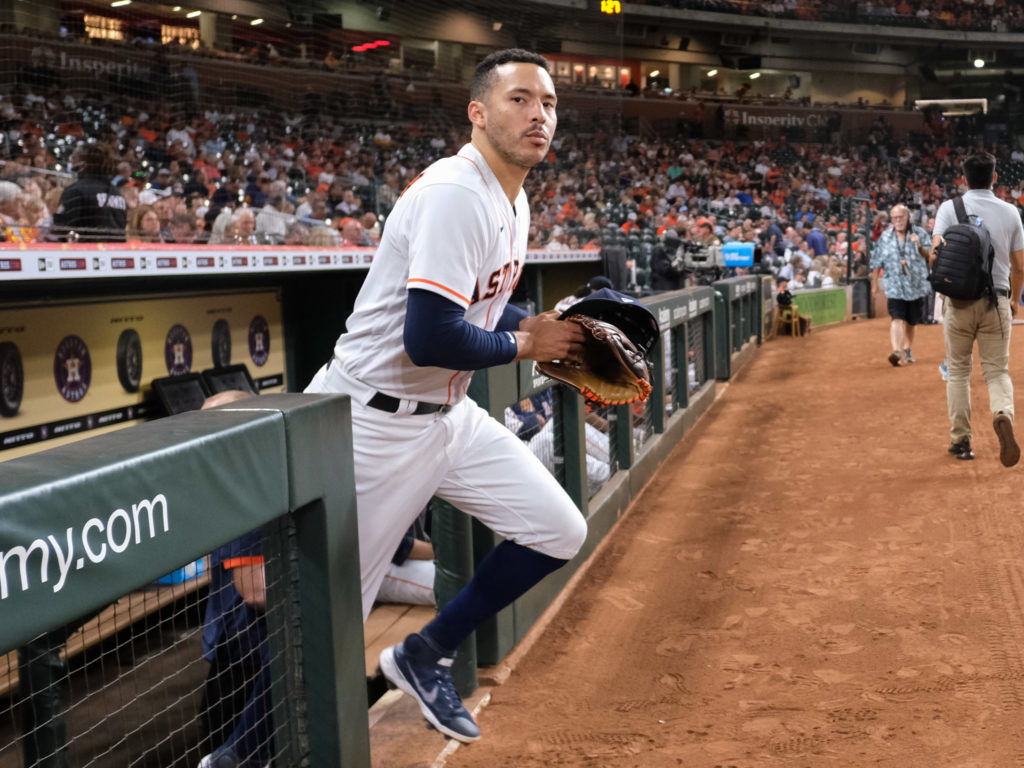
[697, 366]
[133, 684]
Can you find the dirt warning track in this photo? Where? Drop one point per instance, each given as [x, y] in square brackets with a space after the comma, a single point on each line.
[809, 580]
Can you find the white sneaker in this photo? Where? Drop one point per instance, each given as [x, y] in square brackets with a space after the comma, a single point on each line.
[222, 758]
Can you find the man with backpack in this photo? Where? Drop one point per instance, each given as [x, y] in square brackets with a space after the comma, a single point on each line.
[978, 265]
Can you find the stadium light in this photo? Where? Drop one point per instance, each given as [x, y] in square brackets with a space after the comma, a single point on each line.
[712, 72]
[192, 14]
[255, 22]
[176, 8]
[654, 73]
[119, 3]
[979, 63]
[754, 75]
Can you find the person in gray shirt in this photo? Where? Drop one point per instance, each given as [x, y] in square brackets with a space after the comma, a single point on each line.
[989, 323]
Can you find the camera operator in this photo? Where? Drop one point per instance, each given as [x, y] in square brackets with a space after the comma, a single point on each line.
[668, 272]
[702, 255]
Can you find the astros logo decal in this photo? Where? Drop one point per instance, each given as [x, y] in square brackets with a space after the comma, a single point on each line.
[72, 368]
[259, 340]
[178, 351]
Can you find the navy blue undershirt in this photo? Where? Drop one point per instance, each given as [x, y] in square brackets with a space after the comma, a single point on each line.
[436, 333]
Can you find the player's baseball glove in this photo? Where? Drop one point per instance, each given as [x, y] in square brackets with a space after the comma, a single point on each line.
[612, 371]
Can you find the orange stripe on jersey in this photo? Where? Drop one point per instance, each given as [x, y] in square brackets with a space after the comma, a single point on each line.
[238, 562]
[418, 176]
[442, 287]
[473, 163]
[453, 378]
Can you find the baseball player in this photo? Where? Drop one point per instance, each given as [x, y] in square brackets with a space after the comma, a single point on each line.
[434, 308]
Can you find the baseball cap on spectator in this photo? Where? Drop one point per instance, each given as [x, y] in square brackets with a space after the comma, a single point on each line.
[150, 196]
[556, 231]
[322, 188]
[632, 215]
[163, 171]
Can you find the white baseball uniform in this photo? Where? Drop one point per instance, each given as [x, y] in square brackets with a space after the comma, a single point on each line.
[453, 232]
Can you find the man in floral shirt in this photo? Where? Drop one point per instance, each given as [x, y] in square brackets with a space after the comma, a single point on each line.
[901, 255]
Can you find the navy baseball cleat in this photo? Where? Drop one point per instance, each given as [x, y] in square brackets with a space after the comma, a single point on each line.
[430, 683]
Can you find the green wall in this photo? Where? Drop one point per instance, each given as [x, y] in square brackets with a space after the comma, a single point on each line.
[822, 306]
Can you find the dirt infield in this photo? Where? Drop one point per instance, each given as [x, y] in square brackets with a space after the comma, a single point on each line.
[809, 580]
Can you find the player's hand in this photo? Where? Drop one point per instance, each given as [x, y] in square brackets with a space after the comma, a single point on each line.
[545, 337]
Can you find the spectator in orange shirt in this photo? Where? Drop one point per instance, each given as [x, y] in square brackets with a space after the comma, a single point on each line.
[630, 224]
[570, 211]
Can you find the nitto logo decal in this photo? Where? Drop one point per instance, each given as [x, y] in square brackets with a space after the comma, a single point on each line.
[178, 351]
[98, 539]
[259, 340]
[72, 368]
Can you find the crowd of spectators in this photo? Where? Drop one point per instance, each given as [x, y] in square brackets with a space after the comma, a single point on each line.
[262, 177]
[984, 15]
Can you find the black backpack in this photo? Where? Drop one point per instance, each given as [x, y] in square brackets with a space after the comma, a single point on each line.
[963, 261]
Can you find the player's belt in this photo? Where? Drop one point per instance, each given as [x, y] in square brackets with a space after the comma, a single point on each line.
[1003, 292]
[383, 402]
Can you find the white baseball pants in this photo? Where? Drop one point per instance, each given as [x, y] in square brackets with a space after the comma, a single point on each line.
[464, 457]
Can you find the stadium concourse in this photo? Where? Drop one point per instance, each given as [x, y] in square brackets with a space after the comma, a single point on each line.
[809, 579]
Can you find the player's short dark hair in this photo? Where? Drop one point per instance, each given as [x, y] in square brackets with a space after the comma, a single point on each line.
[483, 78]
[979, 169]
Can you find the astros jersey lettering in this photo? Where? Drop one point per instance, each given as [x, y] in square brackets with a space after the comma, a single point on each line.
[475, 264]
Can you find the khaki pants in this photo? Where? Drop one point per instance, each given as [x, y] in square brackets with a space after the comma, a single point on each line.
[991, 327]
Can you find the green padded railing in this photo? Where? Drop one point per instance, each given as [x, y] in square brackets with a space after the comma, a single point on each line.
[83, 524]
[741, 301]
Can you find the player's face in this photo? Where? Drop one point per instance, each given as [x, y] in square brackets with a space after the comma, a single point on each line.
[519, 113]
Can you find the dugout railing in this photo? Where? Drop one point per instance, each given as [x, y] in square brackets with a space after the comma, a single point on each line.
[738, 320]
[696, 333]
[82, 524]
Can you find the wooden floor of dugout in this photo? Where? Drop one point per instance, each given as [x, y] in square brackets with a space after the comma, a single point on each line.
[808, 580]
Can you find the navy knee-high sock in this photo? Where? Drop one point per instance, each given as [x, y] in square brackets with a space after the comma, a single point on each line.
[507, 572]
